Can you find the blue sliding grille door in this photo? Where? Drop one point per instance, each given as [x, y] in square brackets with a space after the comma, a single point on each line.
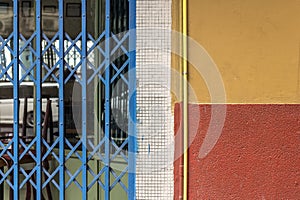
[80, 55]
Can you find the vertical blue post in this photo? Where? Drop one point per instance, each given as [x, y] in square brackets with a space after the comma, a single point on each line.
[61, 103]
[16, 99]
[38, 89]
[132, 143]
[107, 101]
[83, 98]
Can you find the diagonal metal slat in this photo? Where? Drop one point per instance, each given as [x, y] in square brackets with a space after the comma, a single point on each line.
[96, 178]
[50, 149]
[5, 69]
[95, 149]
[49, 44]
[73, 149]
[27, 44]
[73, 178]
[5, 175]
[73, 43]
[118, 179]
[5, 43]
[5, 149]
[28, 72]
[73, 72]
[50, 72]
[27, 177]
[96, 71]
[120, 43]
[119, 72]
[50, 177]
[96, 44]
[27, 149]
[119, 150]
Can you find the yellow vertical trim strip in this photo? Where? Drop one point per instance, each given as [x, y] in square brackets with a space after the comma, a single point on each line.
[185, 99]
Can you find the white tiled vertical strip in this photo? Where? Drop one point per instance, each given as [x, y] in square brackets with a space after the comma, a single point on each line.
[155, 128]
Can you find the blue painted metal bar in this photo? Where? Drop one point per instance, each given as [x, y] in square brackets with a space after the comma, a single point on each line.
[107, 101]
[38, 96]
[132, 144]
[112, 73]
[16, 99]
[61, 102]
[84, 99]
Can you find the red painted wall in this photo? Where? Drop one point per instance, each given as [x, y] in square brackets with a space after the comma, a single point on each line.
[256, 157]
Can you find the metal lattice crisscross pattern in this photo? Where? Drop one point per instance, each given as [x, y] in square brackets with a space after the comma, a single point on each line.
[5, 46]
[89, 75]
[28, 71]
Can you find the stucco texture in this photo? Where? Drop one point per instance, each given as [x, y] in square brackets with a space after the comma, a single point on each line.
[255, 45]
[256, 156]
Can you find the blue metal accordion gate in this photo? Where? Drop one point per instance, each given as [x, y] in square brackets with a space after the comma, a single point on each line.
[74, 62]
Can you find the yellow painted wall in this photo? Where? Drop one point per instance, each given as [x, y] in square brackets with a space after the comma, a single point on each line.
[176, 58]
[254, 43]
